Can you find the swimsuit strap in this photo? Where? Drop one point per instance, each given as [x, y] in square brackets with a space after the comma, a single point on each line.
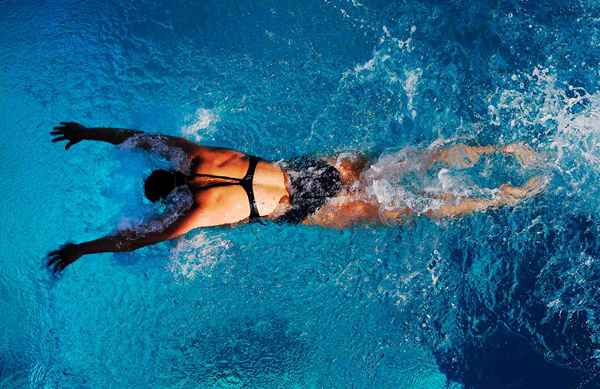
[245, 183]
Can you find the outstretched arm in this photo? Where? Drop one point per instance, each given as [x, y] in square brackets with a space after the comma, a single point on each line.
[74, 133]
[125, 240]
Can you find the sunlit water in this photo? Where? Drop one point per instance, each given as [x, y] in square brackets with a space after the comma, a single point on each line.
[507, 297]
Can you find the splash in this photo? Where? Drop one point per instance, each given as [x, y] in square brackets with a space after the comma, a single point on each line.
[177, 203]
[202, 123]
[406, 179]
[197, 255]
[160, 145]
[565, 118]
[410, 86]
[572, 111]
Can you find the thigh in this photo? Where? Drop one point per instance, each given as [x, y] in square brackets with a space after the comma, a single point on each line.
[350, 165]
[343, 213]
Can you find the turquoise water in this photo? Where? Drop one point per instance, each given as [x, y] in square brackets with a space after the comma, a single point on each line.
[507, 297]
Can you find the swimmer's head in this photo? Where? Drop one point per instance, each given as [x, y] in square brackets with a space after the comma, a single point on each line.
[160, 183]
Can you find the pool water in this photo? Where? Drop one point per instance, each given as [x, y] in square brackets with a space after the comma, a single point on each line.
[506, 298]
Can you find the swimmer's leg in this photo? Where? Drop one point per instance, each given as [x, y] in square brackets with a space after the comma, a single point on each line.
[464, 207]
[463, 156]
[344, 213]
[350, 165]
[459, 155]
[507, 195]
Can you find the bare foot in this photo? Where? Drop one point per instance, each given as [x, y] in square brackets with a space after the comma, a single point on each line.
[513, 194]
[523, 153]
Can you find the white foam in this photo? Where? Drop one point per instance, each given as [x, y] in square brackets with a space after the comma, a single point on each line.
[578, 130]
[178, 202]
[383, 181]
[403, 179]
[202, 121]
[410, 87]
[197, 255]
[159, 144]
[582, 128]
[368, 66]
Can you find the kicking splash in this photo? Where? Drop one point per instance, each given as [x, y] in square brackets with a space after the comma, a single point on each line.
[433, 182]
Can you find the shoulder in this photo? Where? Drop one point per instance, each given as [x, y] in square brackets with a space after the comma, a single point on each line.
[211, 150]
[216, 156]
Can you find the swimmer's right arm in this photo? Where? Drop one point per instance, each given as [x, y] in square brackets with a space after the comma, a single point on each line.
[124, 240]
[74, 133]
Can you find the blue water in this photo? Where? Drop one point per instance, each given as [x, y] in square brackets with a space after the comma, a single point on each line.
[507, 298]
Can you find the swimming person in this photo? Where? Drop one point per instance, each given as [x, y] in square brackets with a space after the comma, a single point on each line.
[226, 187]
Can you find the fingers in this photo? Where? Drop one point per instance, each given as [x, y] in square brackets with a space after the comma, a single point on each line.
[56, 264]
[69, 131]
[60, 266]
[60, 136]
[52, 259]
[59, 259]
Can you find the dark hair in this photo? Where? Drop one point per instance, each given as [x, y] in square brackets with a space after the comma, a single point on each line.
[160, 183]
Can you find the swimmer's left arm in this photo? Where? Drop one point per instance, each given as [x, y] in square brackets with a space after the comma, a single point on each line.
[125, 240]
[74, 133]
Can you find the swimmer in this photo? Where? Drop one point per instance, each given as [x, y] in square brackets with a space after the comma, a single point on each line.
[229, 187]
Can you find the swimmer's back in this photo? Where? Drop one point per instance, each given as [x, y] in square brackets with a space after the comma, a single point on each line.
[229, 204]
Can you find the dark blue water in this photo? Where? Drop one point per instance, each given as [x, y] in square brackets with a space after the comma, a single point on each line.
[504, 299]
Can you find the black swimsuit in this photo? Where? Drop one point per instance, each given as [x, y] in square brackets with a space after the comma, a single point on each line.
[245, 183]
[311, 181]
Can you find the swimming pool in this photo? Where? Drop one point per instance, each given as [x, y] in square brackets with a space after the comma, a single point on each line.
[486, 301]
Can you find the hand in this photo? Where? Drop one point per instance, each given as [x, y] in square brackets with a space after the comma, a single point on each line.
[70, 131]
[63, 257]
